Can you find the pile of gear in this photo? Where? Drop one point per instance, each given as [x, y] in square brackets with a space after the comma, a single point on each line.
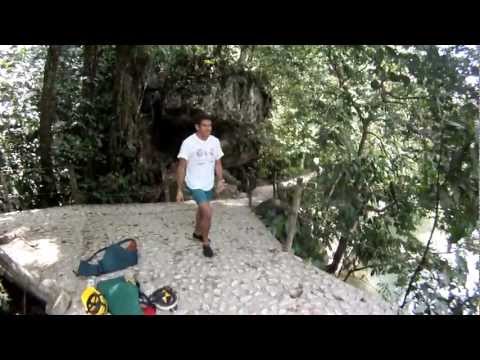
[120, 295]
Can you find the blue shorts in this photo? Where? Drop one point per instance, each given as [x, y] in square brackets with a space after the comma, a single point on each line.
[200, 196]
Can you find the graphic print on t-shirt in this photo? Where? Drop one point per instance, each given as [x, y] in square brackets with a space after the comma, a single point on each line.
[201, 157]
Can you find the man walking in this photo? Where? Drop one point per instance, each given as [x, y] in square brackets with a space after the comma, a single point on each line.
[199, 161]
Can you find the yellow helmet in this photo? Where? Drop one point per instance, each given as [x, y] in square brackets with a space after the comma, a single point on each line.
[94, 302]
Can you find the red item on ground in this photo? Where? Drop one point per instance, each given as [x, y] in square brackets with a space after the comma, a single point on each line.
[132, 245]
[149, 310]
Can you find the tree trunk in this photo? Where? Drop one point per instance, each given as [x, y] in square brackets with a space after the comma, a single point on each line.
[48, 103]
[364, 138]
[293, 214]
[90, 64]
[217, 52]
[249, 192]
[128, 90]
[478, 144]
[243, 54]
[250, 55]
[251, 184]
[343, 242]
[4, 194]
[165, 184]
[76, 195]
[274, 185]
[341, 248]
[91, 55]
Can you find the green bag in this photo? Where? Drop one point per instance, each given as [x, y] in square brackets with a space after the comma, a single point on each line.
[122, 296]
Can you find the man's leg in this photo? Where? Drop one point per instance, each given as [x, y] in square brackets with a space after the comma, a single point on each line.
[205, 211]
[198, 220]
[204, 218]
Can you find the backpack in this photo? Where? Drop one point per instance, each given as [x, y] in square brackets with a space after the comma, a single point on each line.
[123, 297]
[115, 258]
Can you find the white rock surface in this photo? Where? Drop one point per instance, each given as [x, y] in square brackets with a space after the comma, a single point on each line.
[248, 274]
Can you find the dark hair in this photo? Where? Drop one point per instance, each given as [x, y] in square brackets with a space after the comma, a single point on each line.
[197, 118]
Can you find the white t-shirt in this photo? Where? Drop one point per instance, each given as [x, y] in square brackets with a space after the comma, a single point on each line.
[201, 156]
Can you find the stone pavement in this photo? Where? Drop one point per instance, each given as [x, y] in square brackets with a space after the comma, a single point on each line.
[249, 273]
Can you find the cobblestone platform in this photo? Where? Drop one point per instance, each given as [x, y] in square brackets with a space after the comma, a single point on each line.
[249, 273]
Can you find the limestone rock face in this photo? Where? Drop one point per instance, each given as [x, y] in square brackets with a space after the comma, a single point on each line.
[237, 100]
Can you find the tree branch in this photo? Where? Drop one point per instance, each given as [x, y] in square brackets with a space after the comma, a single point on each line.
[385, 93]
[350, 272]
[382, 146]
[435, 222]
[333, 66]
[389, 93]
[293, 214]
[333, 188]
[363, 139]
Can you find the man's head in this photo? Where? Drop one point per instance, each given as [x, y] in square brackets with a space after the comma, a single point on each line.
[203, 124]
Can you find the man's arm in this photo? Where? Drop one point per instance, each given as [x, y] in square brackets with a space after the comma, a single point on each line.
[219, 168]
[182, 165]
[219, 173]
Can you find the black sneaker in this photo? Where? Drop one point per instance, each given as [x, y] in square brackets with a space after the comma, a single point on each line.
[207, 251]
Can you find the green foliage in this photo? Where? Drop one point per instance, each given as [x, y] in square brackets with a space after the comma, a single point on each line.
[81, 141]
[441, 287]
[20, 83]
[4, 299]
[305, 245]
[274, 218]
[373, 121]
